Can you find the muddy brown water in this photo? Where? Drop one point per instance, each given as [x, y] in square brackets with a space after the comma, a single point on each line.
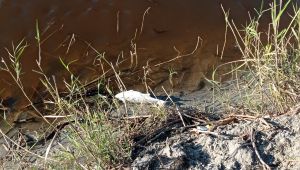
[133, 33]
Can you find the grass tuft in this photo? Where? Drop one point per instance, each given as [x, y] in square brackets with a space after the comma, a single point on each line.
[267, 76]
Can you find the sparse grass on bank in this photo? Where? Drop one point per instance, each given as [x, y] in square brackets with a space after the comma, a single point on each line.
[267, 77]
[100, 134]
[100, 131]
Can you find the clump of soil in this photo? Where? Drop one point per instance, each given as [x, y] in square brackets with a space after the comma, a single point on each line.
[276, 142]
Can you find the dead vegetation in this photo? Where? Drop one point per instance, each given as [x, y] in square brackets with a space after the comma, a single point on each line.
[99, 133]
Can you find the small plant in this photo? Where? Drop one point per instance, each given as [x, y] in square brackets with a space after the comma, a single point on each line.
[268, 73]
[94, 140]
[172, 72]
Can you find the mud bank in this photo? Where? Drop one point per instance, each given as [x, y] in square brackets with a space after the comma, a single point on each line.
[145, 43]
[136, 37]
[245, 142]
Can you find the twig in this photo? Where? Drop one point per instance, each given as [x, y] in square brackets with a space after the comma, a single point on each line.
[222, 122]
[191, 126]
[137, 117]
[294, 110]
[265, 165]
[180, 56]
[178, 112]
[49, 146]
[142, 26]
[118, 21]
[243, 116]
[7, 139]
[267, 124]
[197, 119]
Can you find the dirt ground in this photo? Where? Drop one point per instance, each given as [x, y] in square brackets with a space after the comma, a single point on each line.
[229, 147]
[231, 141]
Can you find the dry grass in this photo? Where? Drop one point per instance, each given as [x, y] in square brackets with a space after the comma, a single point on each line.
[266, 80]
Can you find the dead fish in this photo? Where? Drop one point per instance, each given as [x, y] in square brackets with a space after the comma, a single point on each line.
[138, 97]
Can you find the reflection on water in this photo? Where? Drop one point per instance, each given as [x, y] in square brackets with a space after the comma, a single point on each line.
[133, 33]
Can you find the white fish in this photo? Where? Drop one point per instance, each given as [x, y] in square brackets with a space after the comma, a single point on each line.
[138, 97]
